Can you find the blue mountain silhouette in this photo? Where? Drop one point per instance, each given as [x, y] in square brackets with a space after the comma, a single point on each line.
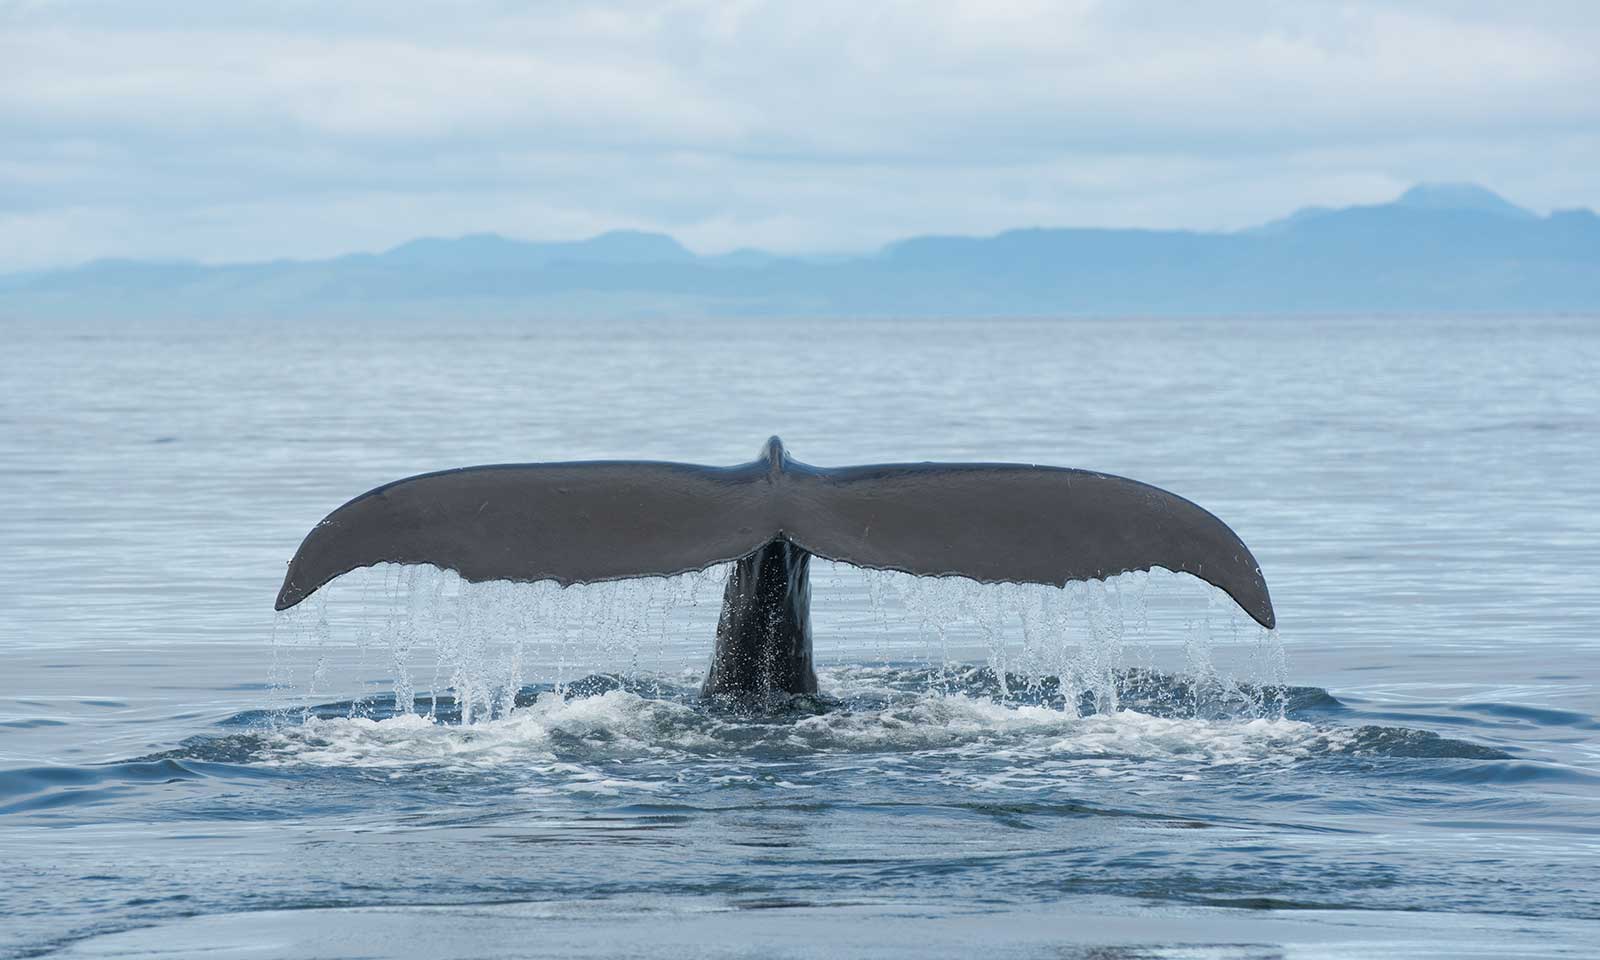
[1436, 248]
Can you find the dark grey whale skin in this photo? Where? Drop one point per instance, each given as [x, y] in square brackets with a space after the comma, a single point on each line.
[764, 632]
[589, 521]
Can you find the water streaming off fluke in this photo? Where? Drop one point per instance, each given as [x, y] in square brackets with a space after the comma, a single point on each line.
[404, 629]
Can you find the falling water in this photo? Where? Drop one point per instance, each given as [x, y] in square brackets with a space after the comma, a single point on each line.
[418, 633]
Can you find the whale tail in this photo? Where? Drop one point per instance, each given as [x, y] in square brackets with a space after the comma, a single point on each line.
[588, 521]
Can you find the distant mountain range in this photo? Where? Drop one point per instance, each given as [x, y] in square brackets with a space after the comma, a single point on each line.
[1436, 248]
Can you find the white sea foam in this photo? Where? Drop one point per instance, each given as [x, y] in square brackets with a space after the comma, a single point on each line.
[615, 725]
[619, 738]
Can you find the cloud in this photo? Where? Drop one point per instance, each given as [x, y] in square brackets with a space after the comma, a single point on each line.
[221, 133]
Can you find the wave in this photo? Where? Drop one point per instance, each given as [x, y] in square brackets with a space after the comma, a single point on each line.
[639, 736]
[885, 710]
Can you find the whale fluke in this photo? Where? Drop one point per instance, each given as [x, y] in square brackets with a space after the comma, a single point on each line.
[589, 521]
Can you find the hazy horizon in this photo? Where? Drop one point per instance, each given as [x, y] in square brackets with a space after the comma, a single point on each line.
[1425, 195]
[263, 131]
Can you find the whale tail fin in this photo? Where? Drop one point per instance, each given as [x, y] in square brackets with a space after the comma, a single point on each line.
[606, 520]
[610, 520]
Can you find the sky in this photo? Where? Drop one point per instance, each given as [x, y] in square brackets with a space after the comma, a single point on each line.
[254, 130]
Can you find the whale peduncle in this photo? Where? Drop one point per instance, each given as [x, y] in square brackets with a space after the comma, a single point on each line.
[763, 642]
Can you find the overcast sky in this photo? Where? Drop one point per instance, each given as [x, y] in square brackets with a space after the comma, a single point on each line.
[249, 130]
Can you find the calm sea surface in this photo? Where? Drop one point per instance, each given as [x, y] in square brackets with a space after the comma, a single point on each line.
[409, 766]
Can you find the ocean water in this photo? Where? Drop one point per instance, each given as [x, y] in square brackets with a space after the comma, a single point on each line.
[406, 765]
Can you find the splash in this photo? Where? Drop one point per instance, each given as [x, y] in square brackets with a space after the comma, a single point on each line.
[392, 631]
[888, 721]
[559, 736]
